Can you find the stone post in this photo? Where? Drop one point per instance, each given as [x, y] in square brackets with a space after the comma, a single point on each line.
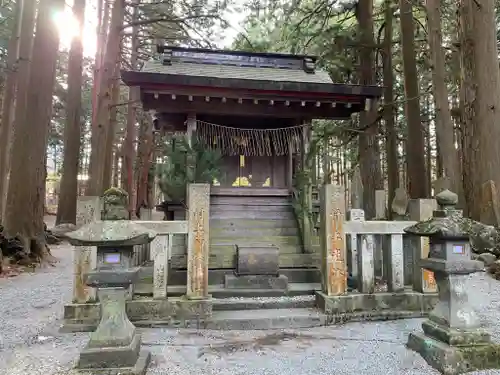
[380, 204]
[354, 214]
[332, 239]
[452, 341]
[88, 210]
[146, 214]
[423, 279]
[198, 198]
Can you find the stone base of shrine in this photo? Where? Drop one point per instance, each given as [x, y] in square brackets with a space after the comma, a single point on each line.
[453, 360]
[256, 282]
[377, 306]
[178, 312]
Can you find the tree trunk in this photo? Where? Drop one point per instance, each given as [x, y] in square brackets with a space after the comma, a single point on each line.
[100, 126]
[130, 133]
[369, 159]
[416, 145]
[487, 76]
[390, 126]
[66, 208]
[25, 201]
[468, 105]
[116, 161]
[113, 125]
[444, 123]
[9, 100]
[102, 32]
[144, 153]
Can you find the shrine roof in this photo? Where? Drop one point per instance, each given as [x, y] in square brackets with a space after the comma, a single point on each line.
[180, 66]
[236, 72]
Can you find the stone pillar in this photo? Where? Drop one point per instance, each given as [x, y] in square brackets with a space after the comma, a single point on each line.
[88, 209]
[354, 214]
[159, 255]
[332, 237]
[146, 214]
[198, 199]
[380, 204]
[423, 279]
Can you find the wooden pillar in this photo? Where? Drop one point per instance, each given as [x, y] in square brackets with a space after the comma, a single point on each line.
[307, 193]
[88, 210]
[423, 280]
[332, 237]
[289, 169]
[198, 199]
[191, 126]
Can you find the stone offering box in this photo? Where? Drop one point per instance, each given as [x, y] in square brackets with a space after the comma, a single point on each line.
[453, 340]
[257, 267]
[115, 346]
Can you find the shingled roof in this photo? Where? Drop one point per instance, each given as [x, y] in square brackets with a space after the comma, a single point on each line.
[237, 70]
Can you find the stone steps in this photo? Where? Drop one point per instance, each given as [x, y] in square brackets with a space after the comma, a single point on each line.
[258, 303]
[216, 276]
[264, 319]
[218, 291]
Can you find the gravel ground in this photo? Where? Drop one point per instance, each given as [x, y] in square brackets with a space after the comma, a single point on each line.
[31, 308]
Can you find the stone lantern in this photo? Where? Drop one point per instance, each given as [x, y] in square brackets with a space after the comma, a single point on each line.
[114, 347]
[452, 341]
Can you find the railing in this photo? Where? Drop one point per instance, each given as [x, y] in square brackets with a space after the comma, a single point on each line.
[160, 251]
[372, 248]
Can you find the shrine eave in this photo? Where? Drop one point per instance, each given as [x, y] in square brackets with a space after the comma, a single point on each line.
[298, 90]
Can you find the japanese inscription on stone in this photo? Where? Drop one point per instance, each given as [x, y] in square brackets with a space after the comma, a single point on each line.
[198, 234]
[337, 277]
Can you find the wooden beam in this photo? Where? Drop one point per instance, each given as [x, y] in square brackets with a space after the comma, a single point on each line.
[248, 108]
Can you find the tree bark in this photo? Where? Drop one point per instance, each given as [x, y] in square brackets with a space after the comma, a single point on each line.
[8, 101]
[113, 125]
[101, 123]
[130, 133]
[390, 126]
[444, 123]
[416, 145]
[25, 202]
[144, 153]
[369, 158]
[66, 208]
[468, 105]
[487, 113]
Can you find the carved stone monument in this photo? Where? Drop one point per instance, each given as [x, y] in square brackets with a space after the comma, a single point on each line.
[115, 346]
[452, 341]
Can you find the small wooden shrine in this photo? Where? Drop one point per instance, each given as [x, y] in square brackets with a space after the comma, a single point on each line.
[256, 108]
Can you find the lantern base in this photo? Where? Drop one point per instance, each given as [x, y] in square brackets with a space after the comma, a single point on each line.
[454, 360]
[140, 367]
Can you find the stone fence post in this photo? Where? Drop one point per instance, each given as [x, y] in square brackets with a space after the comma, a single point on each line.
[354, 214]
[88, 210]
[198, 199]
